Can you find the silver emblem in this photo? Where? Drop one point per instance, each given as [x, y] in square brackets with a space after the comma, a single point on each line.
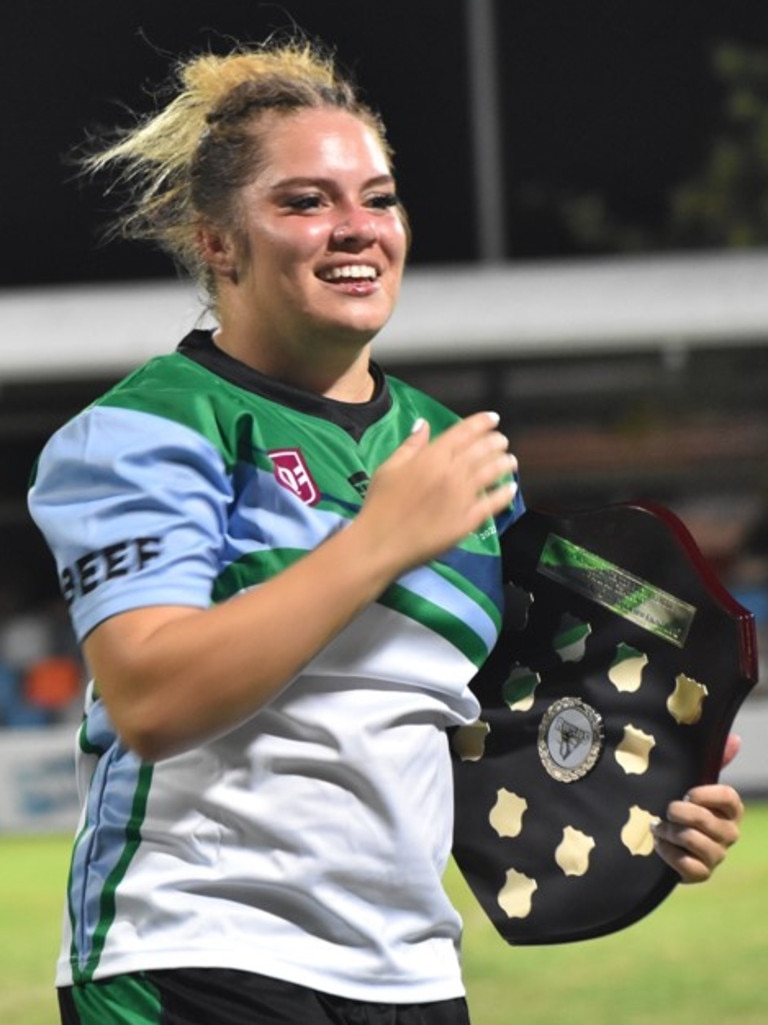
[570, 739]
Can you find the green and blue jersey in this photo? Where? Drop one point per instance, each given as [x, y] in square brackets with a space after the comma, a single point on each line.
[309, 841]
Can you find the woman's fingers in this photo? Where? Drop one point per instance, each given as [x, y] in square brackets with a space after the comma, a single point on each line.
[441, 489]
[732, 748]
[476, 448]
[698, 831]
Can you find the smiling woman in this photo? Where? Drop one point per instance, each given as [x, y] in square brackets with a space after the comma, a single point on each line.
[315, 263]
[272, 183]
[317, 580]
[284, 568]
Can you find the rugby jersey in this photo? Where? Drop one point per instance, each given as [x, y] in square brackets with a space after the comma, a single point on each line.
[309, 841]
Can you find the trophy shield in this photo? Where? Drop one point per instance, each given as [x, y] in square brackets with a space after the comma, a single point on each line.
[621, 665]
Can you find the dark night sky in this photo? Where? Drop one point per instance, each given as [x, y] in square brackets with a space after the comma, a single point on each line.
[597, 95]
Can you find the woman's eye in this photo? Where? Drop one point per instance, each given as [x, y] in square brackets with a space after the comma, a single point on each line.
[308, 202]
[383, 200]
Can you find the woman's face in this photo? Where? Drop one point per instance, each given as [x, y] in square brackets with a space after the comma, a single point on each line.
[325, 241]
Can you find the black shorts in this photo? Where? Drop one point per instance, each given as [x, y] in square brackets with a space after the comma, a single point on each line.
[218, 996]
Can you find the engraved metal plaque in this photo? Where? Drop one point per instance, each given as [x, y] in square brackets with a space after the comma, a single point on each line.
[609, 585]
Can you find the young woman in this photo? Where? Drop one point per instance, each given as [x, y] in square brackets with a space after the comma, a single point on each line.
[283, 567]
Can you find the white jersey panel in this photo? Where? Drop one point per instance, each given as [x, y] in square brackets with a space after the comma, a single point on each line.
[309, 843]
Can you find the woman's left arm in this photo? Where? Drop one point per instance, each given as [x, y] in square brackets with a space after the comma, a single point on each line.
[698, 830]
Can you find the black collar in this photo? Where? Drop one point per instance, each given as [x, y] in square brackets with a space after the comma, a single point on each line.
[353, 417]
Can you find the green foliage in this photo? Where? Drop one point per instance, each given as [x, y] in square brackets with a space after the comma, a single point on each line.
[726, 203]
[723, 204]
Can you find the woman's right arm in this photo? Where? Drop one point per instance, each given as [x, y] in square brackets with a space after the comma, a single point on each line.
[172, 676]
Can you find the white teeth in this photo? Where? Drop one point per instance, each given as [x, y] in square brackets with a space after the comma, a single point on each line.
[350, 271]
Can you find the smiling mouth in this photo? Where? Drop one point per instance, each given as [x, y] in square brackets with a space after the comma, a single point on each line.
[350, 272]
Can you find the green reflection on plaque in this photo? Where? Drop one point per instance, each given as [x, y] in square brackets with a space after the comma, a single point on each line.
[635, 600]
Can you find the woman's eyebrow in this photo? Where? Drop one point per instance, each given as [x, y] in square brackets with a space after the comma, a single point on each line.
[306, 181]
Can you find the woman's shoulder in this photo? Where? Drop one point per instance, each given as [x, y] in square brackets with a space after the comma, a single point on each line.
[163, 405]
[418, 402]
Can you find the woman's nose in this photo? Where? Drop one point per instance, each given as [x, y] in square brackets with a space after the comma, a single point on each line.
[357, 228]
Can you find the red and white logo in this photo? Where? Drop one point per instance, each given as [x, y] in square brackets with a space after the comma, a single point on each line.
[292, 472]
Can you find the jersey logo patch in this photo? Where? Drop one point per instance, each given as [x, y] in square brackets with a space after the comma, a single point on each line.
[360, 481]
[292, 472]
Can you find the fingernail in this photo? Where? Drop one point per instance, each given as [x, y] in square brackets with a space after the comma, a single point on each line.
[493, 416]
[418, 424]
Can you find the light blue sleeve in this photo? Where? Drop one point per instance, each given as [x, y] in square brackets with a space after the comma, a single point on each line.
[134, 509]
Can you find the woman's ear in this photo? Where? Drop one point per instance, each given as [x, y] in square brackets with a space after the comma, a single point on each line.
[218, 250]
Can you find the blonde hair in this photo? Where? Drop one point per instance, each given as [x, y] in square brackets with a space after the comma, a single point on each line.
[186, 162]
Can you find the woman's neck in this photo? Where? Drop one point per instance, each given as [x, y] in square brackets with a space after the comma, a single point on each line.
[342, 374]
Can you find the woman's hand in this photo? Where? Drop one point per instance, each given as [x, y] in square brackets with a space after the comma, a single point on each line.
[698, 831]
[430, 494]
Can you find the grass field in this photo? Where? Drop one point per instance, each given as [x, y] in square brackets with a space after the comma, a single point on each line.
[699, 958]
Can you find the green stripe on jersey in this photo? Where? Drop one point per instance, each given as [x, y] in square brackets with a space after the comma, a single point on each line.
[253, 569]
[257, 567]
[84, 742]
[464, 584]
[122, 1000]
[438, 619]
[108, 899]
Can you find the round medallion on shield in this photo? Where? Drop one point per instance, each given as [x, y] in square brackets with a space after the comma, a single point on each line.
[570, 739]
